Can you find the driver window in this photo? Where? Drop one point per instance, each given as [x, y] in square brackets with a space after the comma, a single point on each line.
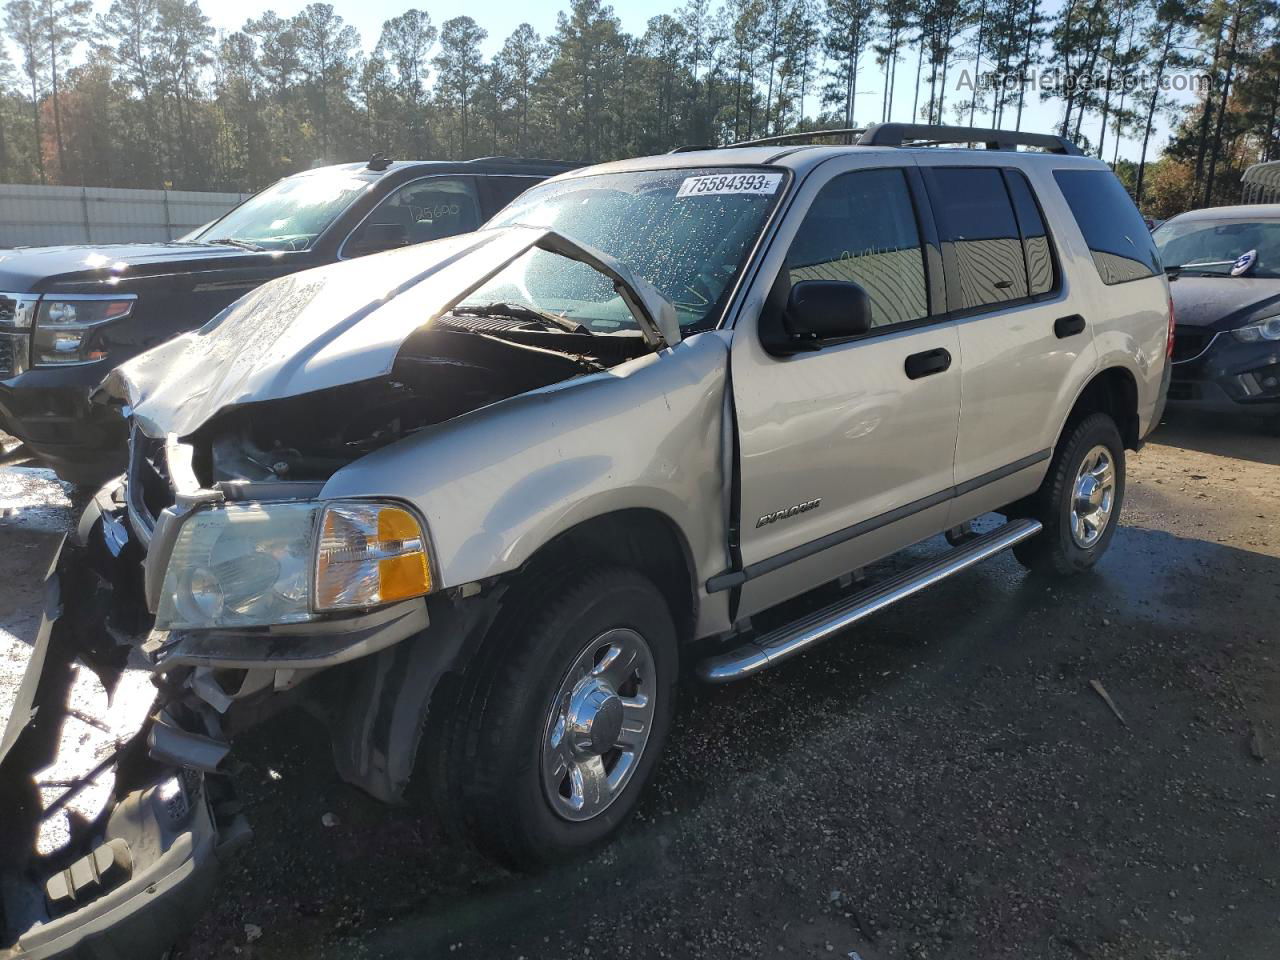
[416, 213]
[861, 227]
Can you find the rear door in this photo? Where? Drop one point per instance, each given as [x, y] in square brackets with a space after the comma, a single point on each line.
[846, 451]
[1026, 343]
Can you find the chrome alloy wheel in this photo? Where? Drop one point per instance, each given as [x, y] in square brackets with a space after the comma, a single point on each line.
[598, 725]
[1093, 497]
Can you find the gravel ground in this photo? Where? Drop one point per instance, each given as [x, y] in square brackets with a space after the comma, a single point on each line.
[946, 783]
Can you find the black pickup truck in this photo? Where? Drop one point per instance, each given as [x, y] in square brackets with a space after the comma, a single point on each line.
[69, 314]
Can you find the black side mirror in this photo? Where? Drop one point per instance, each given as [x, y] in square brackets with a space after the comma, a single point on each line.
[820, 310]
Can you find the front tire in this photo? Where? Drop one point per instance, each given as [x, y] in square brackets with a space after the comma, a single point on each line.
[563, 716]
[1080, 500]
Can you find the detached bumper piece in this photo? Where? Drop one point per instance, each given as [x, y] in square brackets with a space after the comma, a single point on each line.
[136, 876]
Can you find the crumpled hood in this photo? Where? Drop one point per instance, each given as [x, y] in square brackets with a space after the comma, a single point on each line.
[1223, 303]
[341, 324]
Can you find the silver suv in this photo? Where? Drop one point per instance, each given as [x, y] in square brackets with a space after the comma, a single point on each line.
[478, 503]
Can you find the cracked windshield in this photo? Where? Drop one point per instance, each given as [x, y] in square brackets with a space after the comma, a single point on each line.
[688, 232]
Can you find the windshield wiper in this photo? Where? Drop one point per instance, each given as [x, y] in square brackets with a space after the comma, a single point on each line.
[518, 311]
[1174, 269]
[237, 242]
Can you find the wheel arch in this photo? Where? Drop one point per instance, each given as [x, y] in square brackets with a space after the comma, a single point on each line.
[641, 538]
[1113, 391]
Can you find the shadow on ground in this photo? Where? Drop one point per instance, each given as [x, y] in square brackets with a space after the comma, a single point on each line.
[1244, 438]
[943, 782]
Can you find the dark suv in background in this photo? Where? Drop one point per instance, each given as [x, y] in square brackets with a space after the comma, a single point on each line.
[69, 314]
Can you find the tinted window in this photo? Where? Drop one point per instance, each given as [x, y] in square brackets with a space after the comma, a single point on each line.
[1035, 238]
[417, 212]
[502, 190]
[1114, 230]
[975, 216]
[862, 228]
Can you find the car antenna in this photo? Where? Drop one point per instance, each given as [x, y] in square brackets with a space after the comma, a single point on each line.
[379, 162]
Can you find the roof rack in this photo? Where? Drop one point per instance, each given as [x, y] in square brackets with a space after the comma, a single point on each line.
[849, 133]
[522, 161]
[920, 134]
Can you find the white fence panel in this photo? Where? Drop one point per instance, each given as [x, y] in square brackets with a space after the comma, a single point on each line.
[37, 216]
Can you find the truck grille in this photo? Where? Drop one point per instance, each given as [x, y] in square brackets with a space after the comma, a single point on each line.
[7, 346]
[14, 343]
[150, 491]
[1190, 342]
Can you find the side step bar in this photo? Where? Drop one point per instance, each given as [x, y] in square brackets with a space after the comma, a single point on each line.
[772, 648]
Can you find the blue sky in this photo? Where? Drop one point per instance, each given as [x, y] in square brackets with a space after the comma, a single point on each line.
[501, 17]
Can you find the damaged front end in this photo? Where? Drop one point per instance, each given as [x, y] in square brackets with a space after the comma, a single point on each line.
[242, 423]
[112, 852]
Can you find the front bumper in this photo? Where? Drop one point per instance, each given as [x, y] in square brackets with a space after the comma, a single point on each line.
[134, 877]
[49, 410]
[1228, 376]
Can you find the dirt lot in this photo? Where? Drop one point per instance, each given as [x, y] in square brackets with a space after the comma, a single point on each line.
[944, 783]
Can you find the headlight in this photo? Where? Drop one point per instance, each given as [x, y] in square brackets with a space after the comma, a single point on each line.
[1268, 329]
[240, 565]
[247, 565]
[369, 553]
[66, 328]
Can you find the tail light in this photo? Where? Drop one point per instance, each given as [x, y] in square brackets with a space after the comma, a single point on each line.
[1168, 350]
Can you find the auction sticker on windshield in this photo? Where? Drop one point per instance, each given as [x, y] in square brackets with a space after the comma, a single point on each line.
[718, 184]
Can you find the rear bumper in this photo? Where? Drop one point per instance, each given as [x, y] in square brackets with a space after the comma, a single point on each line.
[135, 877]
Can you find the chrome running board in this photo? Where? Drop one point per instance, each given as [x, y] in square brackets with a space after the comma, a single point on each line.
[772, 648]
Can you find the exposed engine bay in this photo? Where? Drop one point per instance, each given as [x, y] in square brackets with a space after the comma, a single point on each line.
[457, 364]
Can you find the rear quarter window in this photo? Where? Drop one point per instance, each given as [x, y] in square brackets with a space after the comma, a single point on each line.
[1117, 236]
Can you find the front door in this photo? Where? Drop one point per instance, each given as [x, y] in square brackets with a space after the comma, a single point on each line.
[847, 451]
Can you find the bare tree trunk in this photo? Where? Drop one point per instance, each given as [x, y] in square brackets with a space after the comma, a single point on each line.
[1208, 110]
[35, 126]
[57, 110]
[977, 62]
[1222, 109]
[1151, 108]
[915, 102]
[1026, 62]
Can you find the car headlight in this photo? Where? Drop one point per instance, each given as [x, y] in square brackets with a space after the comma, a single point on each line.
[257, 564]
[1268, 329]
[66, 328]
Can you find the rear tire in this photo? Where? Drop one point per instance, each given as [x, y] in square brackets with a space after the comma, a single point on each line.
[547, 716]
[1079, 502]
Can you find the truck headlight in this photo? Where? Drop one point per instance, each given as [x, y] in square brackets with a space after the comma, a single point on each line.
[257, 564]
[65, 330]
[1268, 329]
[240, 565]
